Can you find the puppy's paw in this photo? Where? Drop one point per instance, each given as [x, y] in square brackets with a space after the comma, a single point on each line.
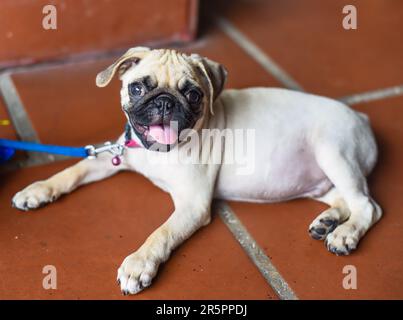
[343, 240]
[136, 273]
[319, 229]
[324, 224]
[33, 196]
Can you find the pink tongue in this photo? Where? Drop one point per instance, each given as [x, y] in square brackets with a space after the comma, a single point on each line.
[163, 134]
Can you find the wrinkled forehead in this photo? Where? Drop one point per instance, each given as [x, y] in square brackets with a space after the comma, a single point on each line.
[163, 68]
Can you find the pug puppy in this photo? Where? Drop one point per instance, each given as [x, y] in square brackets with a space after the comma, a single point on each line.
[306, 146]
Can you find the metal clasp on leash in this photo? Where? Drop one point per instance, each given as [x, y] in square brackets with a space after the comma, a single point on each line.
[115, 149]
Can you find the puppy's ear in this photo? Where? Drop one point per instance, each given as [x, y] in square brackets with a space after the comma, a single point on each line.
[133, 55]
[215, 74]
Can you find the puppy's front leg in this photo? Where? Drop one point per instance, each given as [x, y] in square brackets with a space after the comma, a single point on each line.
[85, 171]
[192, 211]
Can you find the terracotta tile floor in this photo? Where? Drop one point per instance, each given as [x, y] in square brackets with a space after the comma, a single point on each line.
[6, 131]
[88, 233]
[307, 39]
[281, 229]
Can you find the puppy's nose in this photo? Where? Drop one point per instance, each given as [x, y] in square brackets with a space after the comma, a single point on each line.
[164, 102]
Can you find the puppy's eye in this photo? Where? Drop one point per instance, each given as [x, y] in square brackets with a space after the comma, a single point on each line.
[193, 96]
[136, 89]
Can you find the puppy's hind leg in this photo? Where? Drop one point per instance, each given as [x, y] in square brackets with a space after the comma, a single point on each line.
[42, 192]
[329, 219]
[344, 171]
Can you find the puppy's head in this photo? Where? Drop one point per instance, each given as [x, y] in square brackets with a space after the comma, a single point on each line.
[165, 92]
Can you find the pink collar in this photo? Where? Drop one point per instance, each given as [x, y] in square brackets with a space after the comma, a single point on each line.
[132, 144]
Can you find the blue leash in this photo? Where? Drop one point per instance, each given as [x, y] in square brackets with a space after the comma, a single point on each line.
[79, 152]
[6, 154]
[8, 147]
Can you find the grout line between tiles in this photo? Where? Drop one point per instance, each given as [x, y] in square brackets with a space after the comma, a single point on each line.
[284, 78]
[372, 95]
[255, 253]
[20, 120]
[16, 110]
[259, 55]
[248, 243]
[94, 56]
[90, 56]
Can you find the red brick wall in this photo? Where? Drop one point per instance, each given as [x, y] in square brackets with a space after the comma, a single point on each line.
[85, 26]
